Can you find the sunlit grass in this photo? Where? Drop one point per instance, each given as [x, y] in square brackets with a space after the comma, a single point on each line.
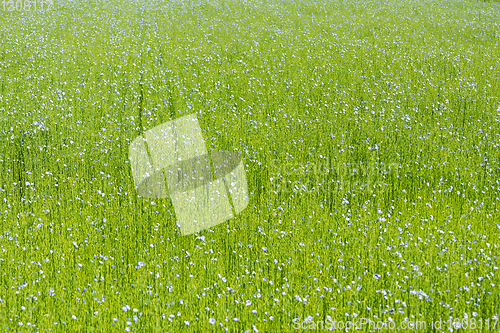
[319, 99]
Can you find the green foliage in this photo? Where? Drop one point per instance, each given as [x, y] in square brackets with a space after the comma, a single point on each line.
[370, 136]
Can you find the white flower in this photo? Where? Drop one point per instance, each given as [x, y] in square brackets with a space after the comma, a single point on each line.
[211, 321]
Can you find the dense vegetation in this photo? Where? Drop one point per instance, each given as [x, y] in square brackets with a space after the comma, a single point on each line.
[370, 135]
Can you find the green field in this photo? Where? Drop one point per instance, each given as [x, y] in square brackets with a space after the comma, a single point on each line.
[370, 135]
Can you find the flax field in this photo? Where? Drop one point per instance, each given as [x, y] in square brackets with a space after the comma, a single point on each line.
[370, 136]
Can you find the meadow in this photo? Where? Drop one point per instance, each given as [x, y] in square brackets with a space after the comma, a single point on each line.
[370, 135]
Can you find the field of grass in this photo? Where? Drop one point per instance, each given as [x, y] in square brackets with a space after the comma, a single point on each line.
[370, 135]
